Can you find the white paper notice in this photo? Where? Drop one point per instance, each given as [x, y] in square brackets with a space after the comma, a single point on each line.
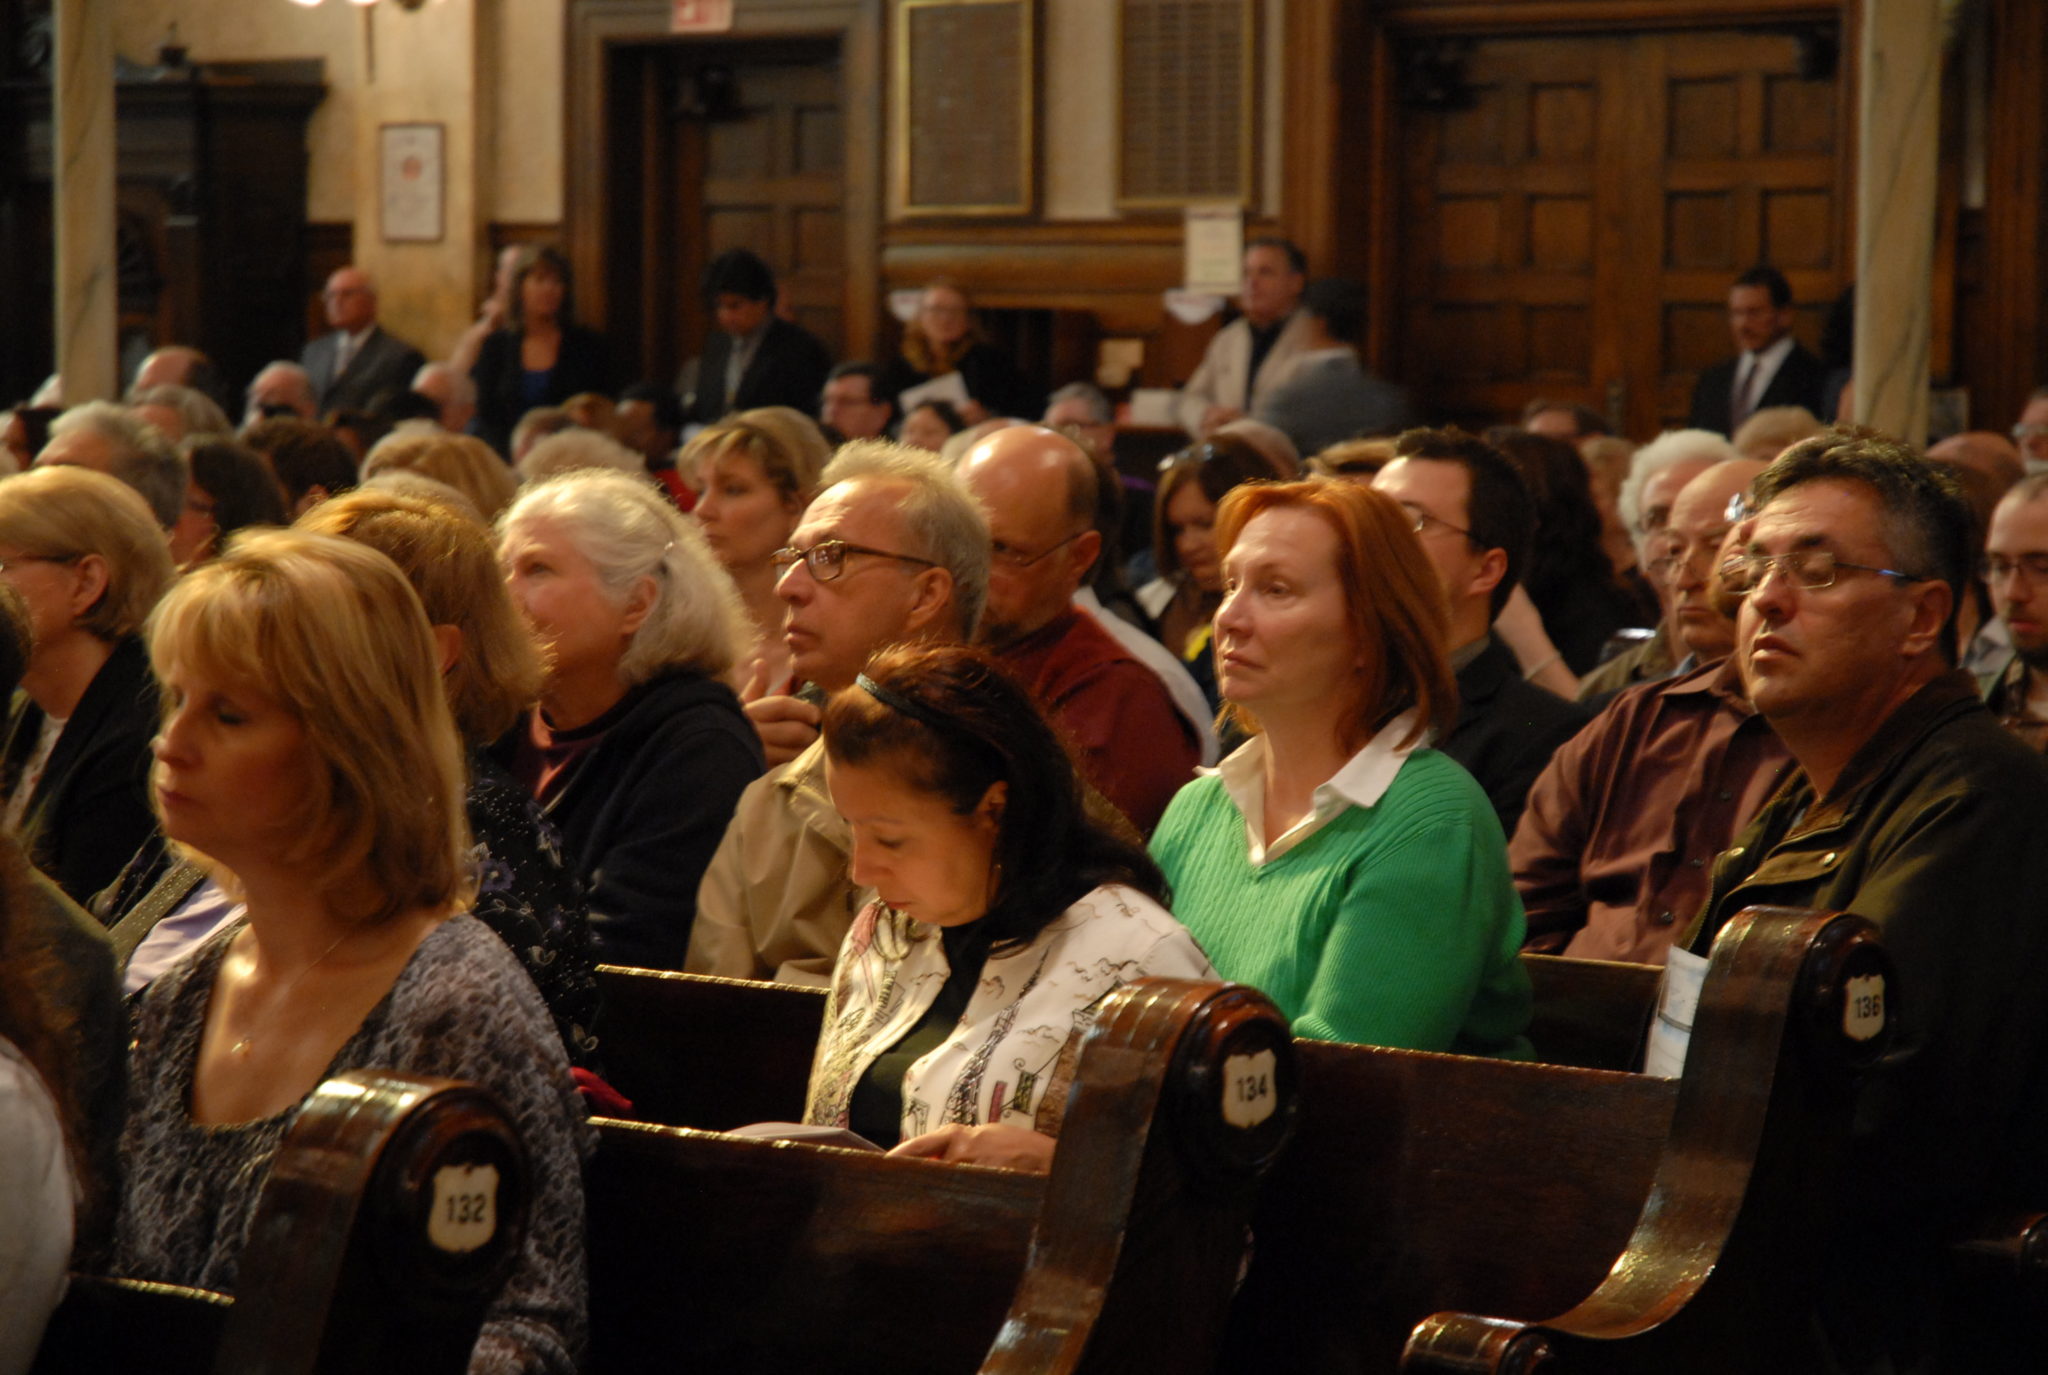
[949, 387]
[1679, 1002]
[1215, 249]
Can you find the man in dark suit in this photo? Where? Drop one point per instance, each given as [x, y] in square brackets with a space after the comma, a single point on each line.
[356, 360]
[1475, 519]
[1772, 368]
[754, 357]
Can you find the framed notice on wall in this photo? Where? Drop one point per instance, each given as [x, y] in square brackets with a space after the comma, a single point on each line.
[965, 73]
[411, 181]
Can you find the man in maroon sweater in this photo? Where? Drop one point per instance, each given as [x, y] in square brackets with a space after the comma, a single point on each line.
[1038, 488]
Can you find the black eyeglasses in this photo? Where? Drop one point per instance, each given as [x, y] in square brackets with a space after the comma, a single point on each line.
[827, 558]
[1809, 569]
[1999, 568]
[1011, 557]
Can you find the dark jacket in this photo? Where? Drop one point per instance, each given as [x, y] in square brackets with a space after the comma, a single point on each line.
[90, 811]
[1507, 729]
[642, 813]
[1799, 381]
[582, 364]
[385, 363]
[987, 373]
[788, 369]
[1934, 832]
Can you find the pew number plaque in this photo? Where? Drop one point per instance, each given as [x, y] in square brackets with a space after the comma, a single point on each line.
[1250, 1084]
[1863, 1007]
[465, 1212]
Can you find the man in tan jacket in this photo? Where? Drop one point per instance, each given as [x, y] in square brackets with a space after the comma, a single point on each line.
[893, 550]
[1254, 353]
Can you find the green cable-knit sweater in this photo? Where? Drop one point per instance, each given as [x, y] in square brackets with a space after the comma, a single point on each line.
[1393, 925]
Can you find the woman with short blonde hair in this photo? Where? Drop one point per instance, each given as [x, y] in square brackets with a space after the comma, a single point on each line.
[88, 556]
[491, 670]
[755, 472]
[638, 750]
[308, 755]
[464, 463]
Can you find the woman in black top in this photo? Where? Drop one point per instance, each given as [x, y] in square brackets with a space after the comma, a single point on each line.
[543, 358]
[944, 338]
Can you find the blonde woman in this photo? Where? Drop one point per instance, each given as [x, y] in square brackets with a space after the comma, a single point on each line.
[944, 339]
[638, 750]
[755, 472]
[90, 560]
[457, 460]
[308, 756]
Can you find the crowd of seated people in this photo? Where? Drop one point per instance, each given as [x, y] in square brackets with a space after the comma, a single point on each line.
[361, 735]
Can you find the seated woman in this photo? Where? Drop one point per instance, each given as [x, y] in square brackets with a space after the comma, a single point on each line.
[943, 340]
[541, 357]
[1004, 914]
[638, 751]
[754, 473]
[41, 1164]
[231, 486]
[307, 753]
[1356, 876]
[1183, 597]
[86, 554]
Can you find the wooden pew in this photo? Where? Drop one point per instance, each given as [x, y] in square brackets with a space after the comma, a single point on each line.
[714, 1253]
[1615, 1221]
[379, 1239]
[756, 1039]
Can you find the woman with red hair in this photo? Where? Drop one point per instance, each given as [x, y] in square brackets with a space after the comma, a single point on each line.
[1335, 861]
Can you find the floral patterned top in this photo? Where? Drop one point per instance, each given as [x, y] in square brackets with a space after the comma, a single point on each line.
[1011, 1058]
[461, 1008]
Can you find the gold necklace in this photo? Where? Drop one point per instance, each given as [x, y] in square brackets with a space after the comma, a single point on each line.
[241, 1047]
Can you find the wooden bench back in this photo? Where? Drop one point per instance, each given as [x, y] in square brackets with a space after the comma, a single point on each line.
[1512, 1210]
[711, 1252]
[393, 1211]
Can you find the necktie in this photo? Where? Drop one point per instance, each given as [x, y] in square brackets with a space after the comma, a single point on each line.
[1745, 395]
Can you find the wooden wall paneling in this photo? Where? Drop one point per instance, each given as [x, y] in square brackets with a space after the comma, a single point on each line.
[330, 245]
[1314, 170]
[2014, 299]
[1594, 16]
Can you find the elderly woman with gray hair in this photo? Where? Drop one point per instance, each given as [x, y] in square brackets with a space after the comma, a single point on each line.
[638, 751]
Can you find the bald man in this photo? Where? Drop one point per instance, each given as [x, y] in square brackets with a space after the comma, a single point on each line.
[1614, 850]
[356, 361]
[1038, 488]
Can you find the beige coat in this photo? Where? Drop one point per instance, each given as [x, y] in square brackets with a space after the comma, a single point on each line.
[777, 900]
[1219, 381]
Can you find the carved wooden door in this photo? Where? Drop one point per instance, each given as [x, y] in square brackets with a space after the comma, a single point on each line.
[758, 167]
[1571, 211]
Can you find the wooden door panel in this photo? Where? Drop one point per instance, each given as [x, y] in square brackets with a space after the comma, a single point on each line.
[1571, 230]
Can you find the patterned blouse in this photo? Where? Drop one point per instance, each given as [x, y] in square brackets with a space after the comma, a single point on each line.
[1011, 1058]
[461, 1008]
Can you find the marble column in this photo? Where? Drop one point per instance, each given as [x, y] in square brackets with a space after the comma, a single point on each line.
[82, 164]
[1898, 132]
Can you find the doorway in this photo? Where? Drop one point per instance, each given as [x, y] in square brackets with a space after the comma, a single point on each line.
[1569, 212]
[732, 143]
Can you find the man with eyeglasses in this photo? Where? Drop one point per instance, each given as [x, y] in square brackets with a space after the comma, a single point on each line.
[1474, 518]
[1912, 807]
[893, 550]
[1611, 854]
[2015, 568]
[1039, 489]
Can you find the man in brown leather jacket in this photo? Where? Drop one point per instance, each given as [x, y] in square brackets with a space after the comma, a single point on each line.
[1913, 808]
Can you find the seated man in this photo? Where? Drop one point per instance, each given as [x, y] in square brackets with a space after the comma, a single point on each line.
[1475, 520]
[1912, 807]
[1329, 397]
[1255, 352]
[1612, 852]
[1039, 491]
[851, 408]
[2016, 570]
[753, 357]
[1657, 473]
[893, 550]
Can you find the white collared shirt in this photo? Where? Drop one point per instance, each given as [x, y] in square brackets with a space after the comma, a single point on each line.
[1361, 782]
[1754, 374]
